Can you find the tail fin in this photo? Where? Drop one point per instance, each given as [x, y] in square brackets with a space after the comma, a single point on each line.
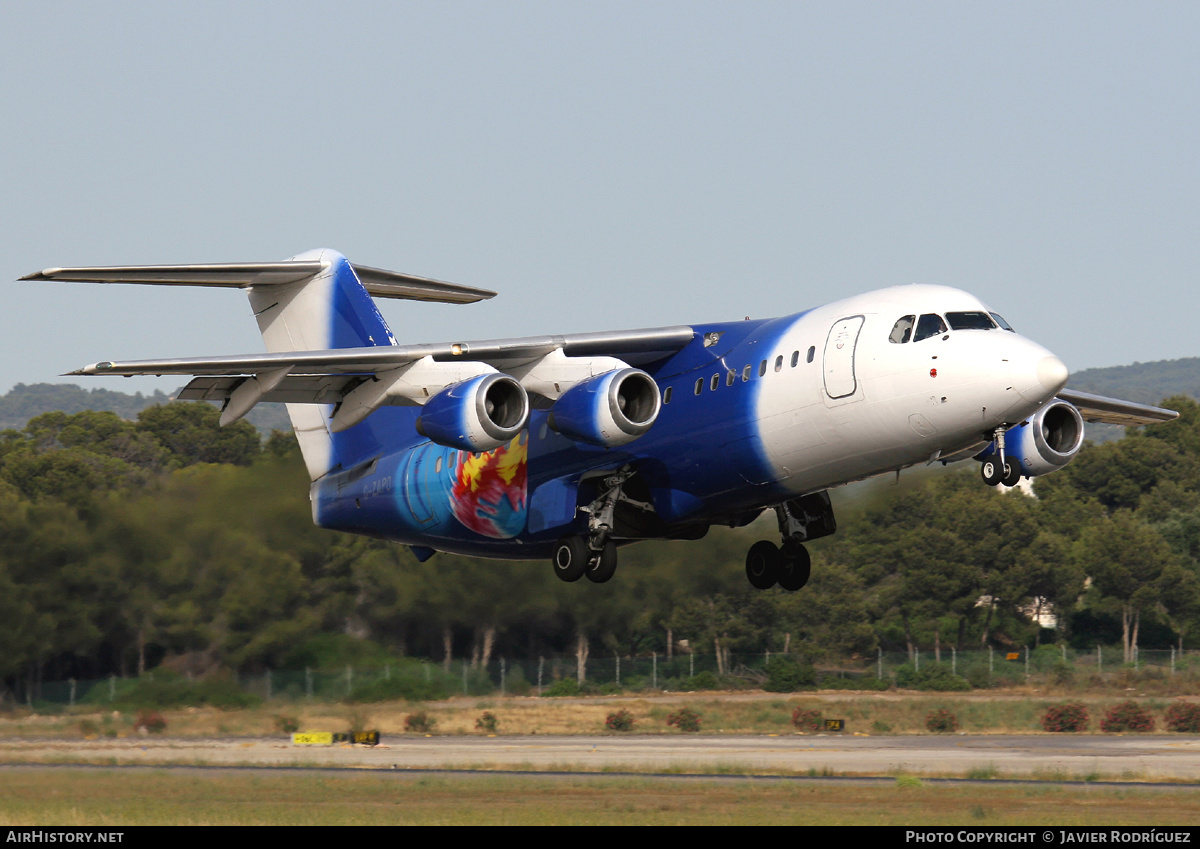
[315, 301]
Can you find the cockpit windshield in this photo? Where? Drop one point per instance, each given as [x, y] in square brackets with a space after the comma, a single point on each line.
[1000, 321]
[929, 325]
[970, 321]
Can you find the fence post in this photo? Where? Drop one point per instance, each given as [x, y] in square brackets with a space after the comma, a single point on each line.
[879, 665]
[691, 663]
[654, 674]
[112, 688]
[991, 662]
[541, 663]
[1026, 664]
[1172, 660]
[1099, 659]
[918, 657]
[73, 691]
[503, 670]
[953, 660]
[618, 656]
[464, 666]
[1136, 667]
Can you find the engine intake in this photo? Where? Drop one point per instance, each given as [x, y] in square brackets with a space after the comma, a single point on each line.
[609, 409]
[1048, 441]
[478, 414]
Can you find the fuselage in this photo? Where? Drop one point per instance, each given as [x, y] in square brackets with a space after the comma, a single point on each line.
[754, 413]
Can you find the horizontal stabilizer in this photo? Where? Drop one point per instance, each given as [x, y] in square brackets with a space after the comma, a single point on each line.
[378, 282]
[1102, 409]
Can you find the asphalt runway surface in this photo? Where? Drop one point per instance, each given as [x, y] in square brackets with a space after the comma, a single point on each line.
[1063, 757]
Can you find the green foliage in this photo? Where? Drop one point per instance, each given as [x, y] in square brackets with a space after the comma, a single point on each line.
[861, 682]
[1183, 717]
[562, 687]
[403, 685]
[786, 674]
[150, 721]
[621, 720]
[166, 689]
[487, 722]
[1127, 716]
[941, 721]
[685, 719]
[287, 724]
[806, 721]
[931, 677]
[1069, 717]
[420, 723]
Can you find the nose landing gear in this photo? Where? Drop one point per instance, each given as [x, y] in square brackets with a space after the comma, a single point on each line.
[999, 469]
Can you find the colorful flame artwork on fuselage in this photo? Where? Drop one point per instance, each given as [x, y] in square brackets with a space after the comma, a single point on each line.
[489, 490]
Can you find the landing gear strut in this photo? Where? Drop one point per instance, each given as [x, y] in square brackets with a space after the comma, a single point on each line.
[999, 469]
[595, 554]
[789, 565]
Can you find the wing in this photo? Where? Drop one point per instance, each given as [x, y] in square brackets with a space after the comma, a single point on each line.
[360, 380]
[1100, 408]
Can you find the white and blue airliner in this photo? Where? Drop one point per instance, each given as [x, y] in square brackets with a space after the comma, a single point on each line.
[566, 447]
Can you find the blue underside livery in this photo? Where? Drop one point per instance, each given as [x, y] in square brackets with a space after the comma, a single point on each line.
[389, 481]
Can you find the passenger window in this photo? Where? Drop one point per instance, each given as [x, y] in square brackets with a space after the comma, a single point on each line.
[779, 363]
[762, 368]
[795, 358]
[970, 321]
[812, 352]
[730, 376]
[667, 395]
[715, 382]
[929, 325]
[746, 373]
[699, 385]
[901, 330]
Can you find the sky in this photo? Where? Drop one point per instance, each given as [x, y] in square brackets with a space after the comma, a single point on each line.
[602, 165]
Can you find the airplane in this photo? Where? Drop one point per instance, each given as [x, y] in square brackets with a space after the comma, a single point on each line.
[566, 447]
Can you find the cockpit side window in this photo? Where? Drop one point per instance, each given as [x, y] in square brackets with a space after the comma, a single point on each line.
[1000, 321]
[929, 325]
[970, 321]
[902, 329]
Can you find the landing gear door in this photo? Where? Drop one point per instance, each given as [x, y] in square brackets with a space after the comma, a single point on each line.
[840, 380]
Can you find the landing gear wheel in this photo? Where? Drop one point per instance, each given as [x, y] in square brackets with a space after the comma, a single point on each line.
[603, 564]
[762, 565]
[1012, 473]
[992, 471]
[571, 557]
[795, 566]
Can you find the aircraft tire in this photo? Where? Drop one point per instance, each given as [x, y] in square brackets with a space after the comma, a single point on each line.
[602, 566]
[571, 557]
[991, 471]
[795, 566]
[1012, 474]
[762, 565]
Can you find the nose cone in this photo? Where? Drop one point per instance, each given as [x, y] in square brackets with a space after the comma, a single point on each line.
[1052, 374]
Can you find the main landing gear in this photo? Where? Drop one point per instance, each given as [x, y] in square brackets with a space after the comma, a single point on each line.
[999, 469]
[789, 565]
[595, 555]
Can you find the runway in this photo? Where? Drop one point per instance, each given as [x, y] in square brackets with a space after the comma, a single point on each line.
[1134, 757]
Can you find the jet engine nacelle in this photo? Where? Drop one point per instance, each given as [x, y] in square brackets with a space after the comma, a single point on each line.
[609, 409]
[478, 414]
[1048, 441]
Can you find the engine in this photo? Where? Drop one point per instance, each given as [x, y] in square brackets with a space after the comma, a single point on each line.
[478, 414]
[609, 409]
[1048, 441]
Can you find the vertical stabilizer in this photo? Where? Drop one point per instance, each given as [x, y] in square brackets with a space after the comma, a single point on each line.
[330, 309]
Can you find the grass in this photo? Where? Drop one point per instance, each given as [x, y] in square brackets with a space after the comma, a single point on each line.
[161, 797]
[740, 713]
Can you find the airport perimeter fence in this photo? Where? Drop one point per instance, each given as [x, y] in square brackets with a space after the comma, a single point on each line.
[560, 676]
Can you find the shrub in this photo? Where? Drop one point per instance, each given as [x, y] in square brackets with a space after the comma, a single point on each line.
[941, 721]
[685, 720]
[150, 721]
[622, 720]
[287, 724]
[562, 687]
[786, 674]
[1127, 716]
[705, 680]
[487, 722]
[411, 688]
[806, 720]
[1070, 717]
[1184, 717]
[419, 723]
[933, 677]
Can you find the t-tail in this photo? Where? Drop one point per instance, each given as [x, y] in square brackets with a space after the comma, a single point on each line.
[316, 301]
